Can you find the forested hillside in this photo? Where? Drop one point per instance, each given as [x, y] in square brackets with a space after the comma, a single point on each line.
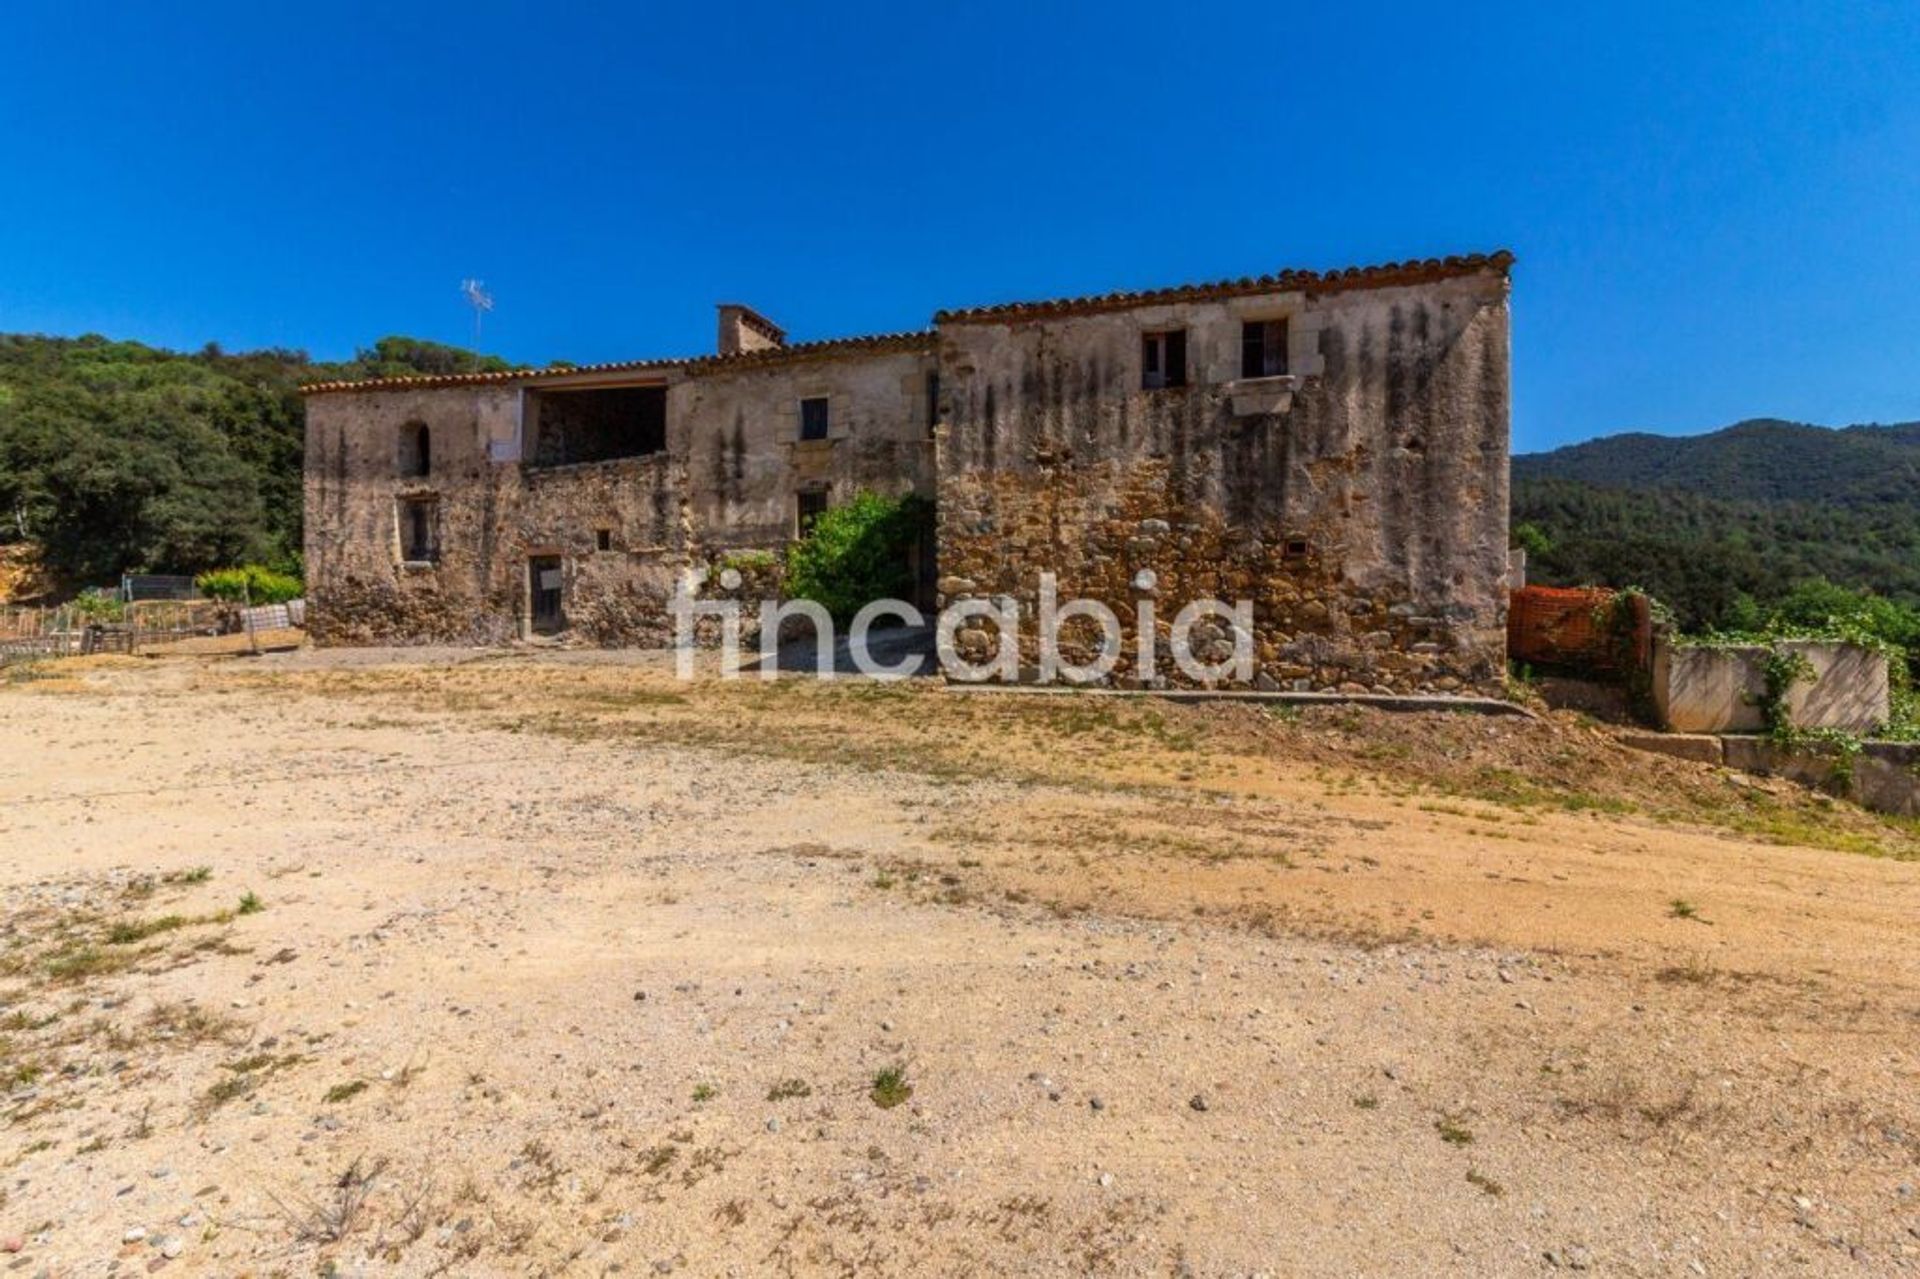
[116, 456]
[1715, 524]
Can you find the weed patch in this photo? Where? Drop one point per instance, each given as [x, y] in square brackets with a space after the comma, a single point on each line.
[890, 1087]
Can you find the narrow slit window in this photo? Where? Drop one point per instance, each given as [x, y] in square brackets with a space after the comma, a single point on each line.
[603, 539]
[1163, 359]
[419, 539]
[416, 450]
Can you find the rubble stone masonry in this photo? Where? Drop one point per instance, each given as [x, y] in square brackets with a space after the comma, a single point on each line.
[625, 532]
[1358, 499]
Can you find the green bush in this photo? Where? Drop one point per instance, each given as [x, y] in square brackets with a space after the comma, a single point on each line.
[858, 552]
[253, 582]
[99, 606]
[750, 562]
[1823, 610]
[1822, 606]
[1529, 538]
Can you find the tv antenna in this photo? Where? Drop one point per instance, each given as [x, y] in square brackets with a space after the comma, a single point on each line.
[480, 300]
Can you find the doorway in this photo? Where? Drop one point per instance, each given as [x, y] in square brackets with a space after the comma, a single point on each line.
[543, 592]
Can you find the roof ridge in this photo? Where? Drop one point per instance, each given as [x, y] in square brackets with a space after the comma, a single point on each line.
[1380, 275]
[904, 338]
[766, 355]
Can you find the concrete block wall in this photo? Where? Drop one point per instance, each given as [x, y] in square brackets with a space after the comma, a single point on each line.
[1884, 776]
[1721, 688]
[1850, 689]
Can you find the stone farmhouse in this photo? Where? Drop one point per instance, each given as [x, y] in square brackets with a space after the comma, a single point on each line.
[1332, 446]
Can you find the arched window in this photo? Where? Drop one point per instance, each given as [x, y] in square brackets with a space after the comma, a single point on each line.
[416, 449]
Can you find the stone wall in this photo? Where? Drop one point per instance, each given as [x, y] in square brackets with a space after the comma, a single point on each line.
[490, 517]
[619, 595]
[740, 429]
[1360, 503]
[627, 531]
[359, 588]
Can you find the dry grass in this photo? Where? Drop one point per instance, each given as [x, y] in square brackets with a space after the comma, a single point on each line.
[1559, 763]
[1142, 905]
[331, 1217]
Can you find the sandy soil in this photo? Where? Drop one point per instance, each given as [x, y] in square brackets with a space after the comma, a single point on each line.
[444, 962]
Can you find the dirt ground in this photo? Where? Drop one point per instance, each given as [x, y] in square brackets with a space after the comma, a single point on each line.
[370, 962]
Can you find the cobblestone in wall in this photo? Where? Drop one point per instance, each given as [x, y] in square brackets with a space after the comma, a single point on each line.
[1357, 499]
[1360, 506]
[626, 532]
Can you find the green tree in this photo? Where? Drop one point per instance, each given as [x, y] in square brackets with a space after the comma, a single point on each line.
[120, 457]
[1528, 537]
[858, 552]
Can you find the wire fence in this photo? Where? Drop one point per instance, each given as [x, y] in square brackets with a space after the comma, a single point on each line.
[32, 634]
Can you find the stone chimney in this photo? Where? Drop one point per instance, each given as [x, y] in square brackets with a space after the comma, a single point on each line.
[744, 329]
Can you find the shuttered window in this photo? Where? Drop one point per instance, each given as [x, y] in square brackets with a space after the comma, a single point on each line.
[1263, 348]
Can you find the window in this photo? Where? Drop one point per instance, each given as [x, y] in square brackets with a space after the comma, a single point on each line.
[603, 539]
[1294, 549]
[933, 401]
[419, 538]
[811, 505]
[1263, 348]
[813, 418]
[1163, 359]
[416, 450]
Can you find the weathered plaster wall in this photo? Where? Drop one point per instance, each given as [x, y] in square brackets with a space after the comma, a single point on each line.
[359, 590]
[616, 596]
[1364, 513]
[739, 430]
[727, 480]
[1360, 503]
[491, 516]
[1721, 688]
[1709, 690]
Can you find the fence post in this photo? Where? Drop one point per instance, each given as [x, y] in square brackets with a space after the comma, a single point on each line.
[246, 596]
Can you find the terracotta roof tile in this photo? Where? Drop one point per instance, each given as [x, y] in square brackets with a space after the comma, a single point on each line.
[1384, 275]
[430, 381]
[697, 365]
[872, 343]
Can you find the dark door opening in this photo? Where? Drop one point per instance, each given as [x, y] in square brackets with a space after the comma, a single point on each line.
[543, 589]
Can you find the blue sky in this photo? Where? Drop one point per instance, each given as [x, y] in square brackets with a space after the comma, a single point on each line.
[1716, 208]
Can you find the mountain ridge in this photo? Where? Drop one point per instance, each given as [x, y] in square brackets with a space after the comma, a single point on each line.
[1744, 512]
[1760, 459]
